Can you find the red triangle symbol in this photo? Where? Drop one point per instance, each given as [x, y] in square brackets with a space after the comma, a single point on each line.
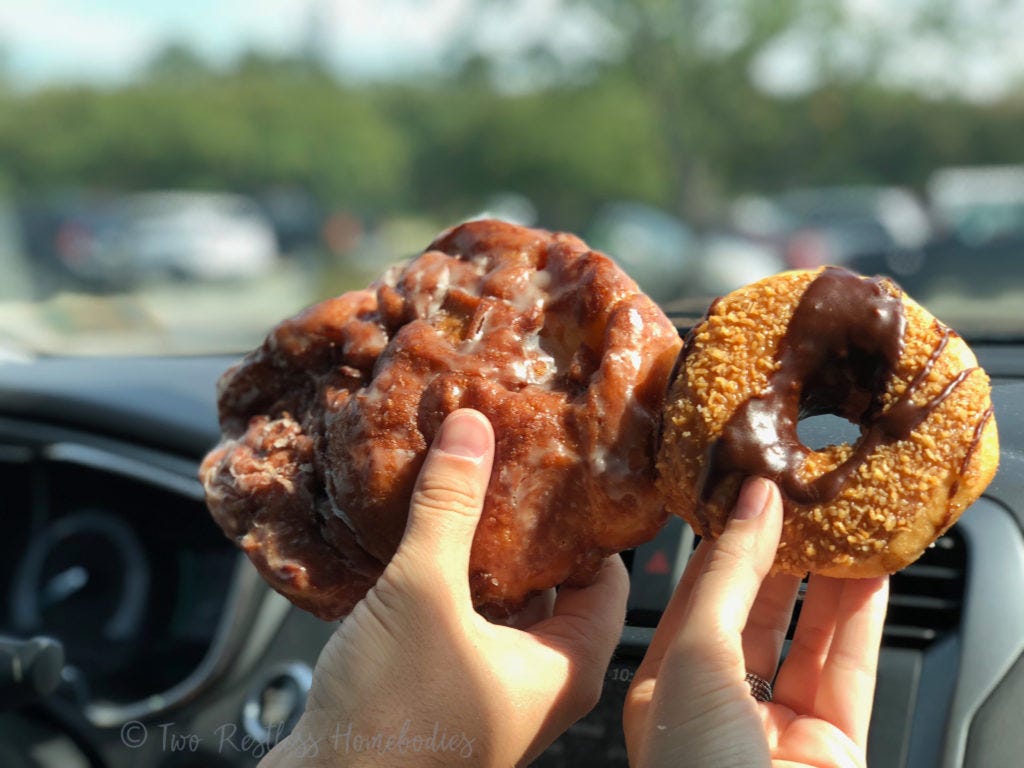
[658, 565]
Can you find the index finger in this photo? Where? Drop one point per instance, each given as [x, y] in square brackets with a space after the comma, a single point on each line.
[641, 688]
[672, 618]
[733, 571]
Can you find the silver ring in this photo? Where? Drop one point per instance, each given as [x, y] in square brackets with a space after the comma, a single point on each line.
[760, 688]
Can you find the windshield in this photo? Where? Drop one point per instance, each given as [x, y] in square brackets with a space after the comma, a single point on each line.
[175, 178]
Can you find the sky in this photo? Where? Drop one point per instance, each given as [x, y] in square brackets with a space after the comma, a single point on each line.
[105, 41]
[108, 41]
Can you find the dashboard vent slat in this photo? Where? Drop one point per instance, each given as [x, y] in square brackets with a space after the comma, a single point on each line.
[926, 598]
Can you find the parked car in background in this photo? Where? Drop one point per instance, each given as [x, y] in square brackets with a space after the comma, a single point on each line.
[860, 226]
[79, 241]
[193, 235]
[978, 223]
[979, 218]
[729, 260]
[978, 205]
[64, 233]
[296, 215]
[656, 249]
[16, 282]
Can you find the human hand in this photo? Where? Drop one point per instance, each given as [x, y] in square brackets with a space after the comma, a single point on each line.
[689, 705]
[416, 664]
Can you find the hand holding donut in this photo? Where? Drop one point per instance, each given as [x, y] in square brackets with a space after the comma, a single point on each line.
[690, 702]
[414, 659]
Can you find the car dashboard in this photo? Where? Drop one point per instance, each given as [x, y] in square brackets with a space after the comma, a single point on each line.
[178, 655]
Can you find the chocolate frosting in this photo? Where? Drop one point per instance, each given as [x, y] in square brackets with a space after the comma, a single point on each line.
[837, 356]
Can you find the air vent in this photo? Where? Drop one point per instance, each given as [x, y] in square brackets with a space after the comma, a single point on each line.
[925, 598]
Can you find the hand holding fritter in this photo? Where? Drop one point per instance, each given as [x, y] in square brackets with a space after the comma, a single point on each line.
[415, 662]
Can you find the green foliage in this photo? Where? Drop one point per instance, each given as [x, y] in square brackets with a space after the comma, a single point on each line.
[566, 149]
[239, 132]
[671, 124]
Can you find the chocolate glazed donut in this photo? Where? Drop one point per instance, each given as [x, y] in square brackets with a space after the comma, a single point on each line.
[806, 343]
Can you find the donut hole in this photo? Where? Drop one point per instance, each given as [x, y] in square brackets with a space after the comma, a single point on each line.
[823, 430]
[837, 396]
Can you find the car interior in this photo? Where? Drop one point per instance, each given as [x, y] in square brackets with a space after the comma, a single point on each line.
[136, 634]
[176, 643]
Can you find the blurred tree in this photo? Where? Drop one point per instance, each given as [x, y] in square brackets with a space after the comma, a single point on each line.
[678, 111]
[240, 131]
[567, 149]
[751, 94]
[687, 67]
[692, 59]
[5, 65]
[256, 63]
[177, 62]
[315, 47]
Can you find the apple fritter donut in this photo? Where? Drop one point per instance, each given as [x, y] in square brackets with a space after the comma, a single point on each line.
[327, 423]
[829, 341]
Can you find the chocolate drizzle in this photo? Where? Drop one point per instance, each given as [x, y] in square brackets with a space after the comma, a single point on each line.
[979, 429]
[837, 356]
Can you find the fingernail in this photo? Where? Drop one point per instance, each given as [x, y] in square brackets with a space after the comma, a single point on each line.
[753, 499]
[464, 434]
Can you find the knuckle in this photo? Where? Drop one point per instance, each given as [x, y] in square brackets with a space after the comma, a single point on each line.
[448, 495]
[389, 596]
[732, 550]
[850, 662]
[739, 556]
[713, 647]
[812, 640]
[380, 612]
[730, 563]
[403, 606]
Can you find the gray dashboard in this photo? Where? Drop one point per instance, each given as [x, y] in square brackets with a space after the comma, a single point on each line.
[949, 692]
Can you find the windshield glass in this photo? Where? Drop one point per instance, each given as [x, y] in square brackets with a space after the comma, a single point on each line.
[175, 178]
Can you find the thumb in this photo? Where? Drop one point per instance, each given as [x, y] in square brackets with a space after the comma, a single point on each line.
[447, 501]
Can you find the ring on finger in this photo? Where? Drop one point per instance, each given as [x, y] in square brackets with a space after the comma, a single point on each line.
[760, 688]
